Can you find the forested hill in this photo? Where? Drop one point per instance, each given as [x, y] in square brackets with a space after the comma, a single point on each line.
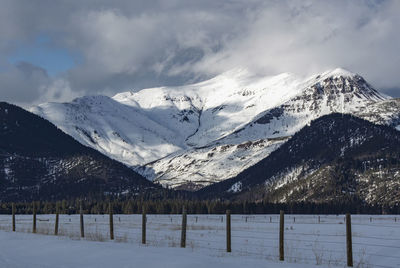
[39, 161]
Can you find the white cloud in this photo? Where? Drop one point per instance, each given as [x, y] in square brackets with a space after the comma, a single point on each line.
[309, 38]
[132, 44]
[26, 84]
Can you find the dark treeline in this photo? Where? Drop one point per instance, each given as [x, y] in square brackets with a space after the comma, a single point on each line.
[174, 206]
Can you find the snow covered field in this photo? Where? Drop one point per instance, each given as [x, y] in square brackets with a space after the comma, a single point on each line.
[308, 242]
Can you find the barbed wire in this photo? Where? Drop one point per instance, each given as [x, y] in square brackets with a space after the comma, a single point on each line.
[375, 245]
[373, 225]
[377, 238]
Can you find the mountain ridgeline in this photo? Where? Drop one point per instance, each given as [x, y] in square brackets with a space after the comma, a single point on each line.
[337, 157]
[195, 135]
[40, 162]
[238, 136]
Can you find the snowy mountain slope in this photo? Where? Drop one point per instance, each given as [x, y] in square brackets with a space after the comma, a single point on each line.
[384, 113]
[123, 132]
[220, 105]
[136, 128]
[191, 136]
[334, 91]
[336, 157]
[196, 168]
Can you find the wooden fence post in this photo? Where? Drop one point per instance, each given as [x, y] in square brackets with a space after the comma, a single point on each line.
[13, 217]
[281, 231]
[143, 225]
[57, 218]
[111, 222]
[228, 231]
[81, 220]
[184, 223]
[34, 217]
[349, 245]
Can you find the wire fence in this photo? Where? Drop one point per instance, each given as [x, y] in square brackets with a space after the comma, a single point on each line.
[308, 239]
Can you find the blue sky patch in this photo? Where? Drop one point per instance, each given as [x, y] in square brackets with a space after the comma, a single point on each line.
[43, 53]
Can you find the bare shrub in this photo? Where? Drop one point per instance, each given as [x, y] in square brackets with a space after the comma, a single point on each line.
[363, 261]
[318, 251]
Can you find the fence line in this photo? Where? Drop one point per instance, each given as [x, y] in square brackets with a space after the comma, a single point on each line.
[282, 234]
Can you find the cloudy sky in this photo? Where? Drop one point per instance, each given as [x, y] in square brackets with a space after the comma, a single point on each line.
[58, 50]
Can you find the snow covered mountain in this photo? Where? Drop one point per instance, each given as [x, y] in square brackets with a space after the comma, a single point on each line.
[191, 136]
[336, 157]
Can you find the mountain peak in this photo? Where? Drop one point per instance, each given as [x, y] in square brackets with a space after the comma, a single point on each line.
[91, 99]
[340, 81]
[338, 72]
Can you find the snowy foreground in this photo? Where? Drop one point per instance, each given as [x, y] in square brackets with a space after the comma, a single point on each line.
[308, 242]
[28, 250]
